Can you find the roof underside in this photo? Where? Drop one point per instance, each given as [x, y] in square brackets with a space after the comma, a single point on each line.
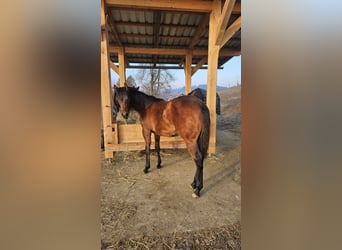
[157, 29]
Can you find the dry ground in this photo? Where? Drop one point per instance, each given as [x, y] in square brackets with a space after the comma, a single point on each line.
[156, 210]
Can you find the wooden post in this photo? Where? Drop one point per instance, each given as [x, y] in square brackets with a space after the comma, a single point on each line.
[122, 67]
[213, 53]
[188, 72]
[106, 93]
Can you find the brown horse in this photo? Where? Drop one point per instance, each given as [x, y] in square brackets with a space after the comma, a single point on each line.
[186, 116]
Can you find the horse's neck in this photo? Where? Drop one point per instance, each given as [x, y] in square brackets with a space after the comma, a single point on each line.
[140, 102]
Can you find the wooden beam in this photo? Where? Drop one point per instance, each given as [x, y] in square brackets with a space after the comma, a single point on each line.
[106, 93]
[165, 51]
[152, 36]
[188, 5]
[156, 28]
[187, 68]
[232, 29]
[122, 66]
[148, 36]
[237, 9]
[199, 65]
[161, 67]
[213, 53]
[114, 67]
[114, 31]
[169, 25]
[199, 31]
[224, 18]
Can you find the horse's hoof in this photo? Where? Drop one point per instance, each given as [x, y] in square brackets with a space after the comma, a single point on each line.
[195, 196]
[145, 171]
[159, 166]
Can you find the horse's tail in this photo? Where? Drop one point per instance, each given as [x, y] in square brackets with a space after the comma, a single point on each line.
[203, 138]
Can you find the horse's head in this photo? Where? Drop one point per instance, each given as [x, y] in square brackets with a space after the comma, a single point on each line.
[122, 99]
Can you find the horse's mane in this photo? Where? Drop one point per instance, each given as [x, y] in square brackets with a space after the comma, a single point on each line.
[144, 96]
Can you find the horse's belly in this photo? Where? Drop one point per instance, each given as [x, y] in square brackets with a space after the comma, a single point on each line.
[166, 130]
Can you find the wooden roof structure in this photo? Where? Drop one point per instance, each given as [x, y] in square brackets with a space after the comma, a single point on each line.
[158, 36]
[171, 34]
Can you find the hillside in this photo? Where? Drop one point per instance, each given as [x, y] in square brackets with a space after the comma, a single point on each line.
[230, 117]
[230, 100]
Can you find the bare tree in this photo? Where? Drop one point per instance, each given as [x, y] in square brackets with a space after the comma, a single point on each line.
[130, 81]
[154, 81]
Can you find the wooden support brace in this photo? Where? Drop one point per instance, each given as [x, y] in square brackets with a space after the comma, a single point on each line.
[114, 67]
[232, 29]
[223, 20]
[199, 65]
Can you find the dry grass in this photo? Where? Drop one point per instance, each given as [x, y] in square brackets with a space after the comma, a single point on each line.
[225, 237]
[230, 101]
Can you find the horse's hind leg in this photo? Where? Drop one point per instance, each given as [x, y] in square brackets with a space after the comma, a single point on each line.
[196, 155]
[157, 146]
[198, 179]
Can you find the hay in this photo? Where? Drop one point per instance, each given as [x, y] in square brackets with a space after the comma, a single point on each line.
[225, 237]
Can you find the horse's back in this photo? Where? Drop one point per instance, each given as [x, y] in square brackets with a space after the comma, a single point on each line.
[188, 115]
[190, 103]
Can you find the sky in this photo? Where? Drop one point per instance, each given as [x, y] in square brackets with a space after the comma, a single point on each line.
[229, 76]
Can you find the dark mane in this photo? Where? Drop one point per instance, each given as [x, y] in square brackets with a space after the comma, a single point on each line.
[143, 98]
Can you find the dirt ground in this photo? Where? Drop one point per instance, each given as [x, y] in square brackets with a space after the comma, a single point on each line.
[156, 210]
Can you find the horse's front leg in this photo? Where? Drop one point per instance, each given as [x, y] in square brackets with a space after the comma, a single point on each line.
[147, 138]
[157, 145]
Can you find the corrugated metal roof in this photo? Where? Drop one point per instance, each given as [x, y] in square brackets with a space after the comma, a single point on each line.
[162, 29]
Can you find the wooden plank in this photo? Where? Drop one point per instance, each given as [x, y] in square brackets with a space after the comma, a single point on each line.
[115, 134]
[224, 18]
[232, 29]
[114, 67]
[131, 133]
[184, 5]
[165, 51]
[199, 65]
[188, 69]
[213, 52]
[141, 146]
[106, 104]
[122, 67]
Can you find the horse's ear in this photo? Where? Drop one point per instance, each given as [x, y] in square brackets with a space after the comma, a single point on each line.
[137, 88]
[115, 88]
[126, 86]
